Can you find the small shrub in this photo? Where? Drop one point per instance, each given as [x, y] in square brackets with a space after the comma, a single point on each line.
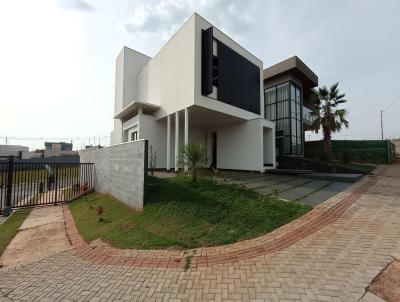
[187, 262]
[85, 187]
[100, 211]
[192, 156]
[274, 192]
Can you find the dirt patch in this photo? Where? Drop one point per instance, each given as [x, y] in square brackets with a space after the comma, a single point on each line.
[174, 248]
[98, 243]
[128, 226]
[387, 284]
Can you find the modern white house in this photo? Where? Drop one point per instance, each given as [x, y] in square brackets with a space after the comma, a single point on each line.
[201, 87]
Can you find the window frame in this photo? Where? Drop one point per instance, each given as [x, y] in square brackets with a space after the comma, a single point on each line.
[134, 136]
[288, 117]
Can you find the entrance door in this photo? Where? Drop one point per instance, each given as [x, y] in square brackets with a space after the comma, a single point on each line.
[214, 150]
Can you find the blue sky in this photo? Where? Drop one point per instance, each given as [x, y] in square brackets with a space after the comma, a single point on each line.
[57, 58]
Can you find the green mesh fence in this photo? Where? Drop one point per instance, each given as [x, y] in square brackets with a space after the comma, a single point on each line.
[373, 151]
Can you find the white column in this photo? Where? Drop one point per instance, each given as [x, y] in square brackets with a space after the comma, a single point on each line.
[168, 141]
[140, 112]
[176, 140]
[186, 131]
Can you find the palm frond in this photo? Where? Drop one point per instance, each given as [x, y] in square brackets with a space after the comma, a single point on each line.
[334, 91]
[326, 113]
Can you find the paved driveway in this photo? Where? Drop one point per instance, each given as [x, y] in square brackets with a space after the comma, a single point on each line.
[290, 187]
[333, 263]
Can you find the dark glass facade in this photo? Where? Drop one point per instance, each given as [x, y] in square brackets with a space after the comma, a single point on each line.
[283, 104]
[237, 79]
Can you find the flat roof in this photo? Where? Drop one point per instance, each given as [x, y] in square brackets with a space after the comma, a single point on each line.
[295, 65]
[133, 106]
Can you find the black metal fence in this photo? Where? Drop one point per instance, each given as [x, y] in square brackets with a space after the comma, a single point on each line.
[33, 184]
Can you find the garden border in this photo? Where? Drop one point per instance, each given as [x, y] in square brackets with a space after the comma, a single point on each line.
[274, 241]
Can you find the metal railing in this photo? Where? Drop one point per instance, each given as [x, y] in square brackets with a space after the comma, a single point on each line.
[34, 184]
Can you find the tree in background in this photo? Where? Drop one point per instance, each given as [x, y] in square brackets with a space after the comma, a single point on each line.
[193, 156]
[327, 115]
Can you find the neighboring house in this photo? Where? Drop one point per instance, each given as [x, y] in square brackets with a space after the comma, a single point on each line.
[17, 151]
[396, 143]
[289, 89]
[201, 87]
[14, 150]
[58, 149]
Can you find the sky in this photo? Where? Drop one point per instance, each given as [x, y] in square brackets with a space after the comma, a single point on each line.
[57, 58]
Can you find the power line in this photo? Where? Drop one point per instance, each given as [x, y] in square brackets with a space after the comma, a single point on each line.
[67, 138]
[398, 99]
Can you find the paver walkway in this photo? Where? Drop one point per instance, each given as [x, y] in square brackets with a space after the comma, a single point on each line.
[332, 255]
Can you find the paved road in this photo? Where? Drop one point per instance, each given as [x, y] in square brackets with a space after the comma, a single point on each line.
[335, 263]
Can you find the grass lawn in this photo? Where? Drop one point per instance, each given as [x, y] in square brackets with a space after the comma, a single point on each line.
[180, 213]
[10, 227]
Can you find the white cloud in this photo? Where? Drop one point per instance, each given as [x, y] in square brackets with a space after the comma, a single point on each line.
[165, 17]
[76, 5]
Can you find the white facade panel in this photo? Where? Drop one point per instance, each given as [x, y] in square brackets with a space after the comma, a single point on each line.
[168, 79]
[240, 146]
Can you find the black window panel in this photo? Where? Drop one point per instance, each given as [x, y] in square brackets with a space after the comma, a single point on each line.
[206, 61]
[238, 80]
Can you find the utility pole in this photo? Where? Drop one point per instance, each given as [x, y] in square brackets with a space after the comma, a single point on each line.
[384, 109]
[6, 140]
[381, 125]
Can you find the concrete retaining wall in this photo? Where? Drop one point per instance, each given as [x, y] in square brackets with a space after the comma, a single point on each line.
[120, 170]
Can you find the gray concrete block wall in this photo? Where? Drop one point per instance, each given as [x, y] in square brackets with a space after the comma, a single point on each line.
[120, 170]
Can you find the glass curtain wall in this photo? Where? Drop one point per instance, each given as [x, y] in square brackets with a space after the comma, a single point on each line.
[283, 105]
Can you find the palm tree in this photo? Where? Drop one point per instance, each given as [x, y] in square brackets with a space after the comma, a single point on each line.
[327, 115]
[193, 156]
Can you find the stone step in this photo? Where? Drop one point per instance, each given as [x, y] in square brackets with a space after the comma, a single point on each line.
[325, 193]
[262, 179]
[301, 192]
[285, 186]
[334, 177]
[269, 182]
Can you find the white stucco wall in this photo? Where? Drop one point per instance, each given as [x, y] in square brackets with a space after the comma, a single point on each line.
[269, 156]
[240, 146]
[129, 63]
[168, 79]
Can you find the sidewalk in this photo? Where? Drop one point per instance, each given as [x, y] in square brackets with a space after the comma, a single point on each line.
[42, 234]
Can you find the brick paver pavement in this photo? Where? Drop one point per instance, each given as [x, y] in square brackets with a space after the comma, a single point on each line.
[334, 261]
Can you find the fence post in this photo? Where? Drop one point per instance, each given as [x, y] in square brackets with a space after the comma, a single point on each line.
[56, 184]
[7, 208]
